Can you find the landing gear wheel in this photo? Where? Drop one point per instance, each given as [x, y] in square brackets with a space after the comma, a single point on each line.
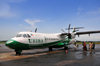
[50, 48]
[18, 52]
[65, 48]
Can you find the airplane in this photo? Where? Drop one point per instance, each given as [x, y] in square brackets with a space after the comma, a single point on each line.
[34, 40]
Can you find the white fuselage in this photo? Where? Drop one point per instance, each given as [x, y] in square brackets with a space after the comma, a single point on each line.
[37, 38]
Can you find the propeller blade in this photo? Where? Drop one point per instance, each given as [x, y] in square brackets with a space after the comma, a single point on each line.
[79, 27]
[63, 30]
[75, 28]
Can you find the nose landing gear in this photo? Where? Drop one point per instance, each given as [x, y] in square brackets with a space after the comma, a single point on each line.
[18, 52]
[50, 48]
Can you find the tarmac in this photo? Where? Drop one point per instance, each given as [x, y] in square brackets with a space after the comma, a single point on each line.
[58, 57]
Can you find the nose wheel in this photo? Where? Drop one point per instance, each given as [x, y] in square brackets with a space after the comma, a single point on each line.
[50, 48]
[65, 47]
[18, 52]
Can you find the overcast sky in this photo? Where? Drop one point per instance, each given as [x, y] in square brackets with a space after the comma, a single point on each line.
[49, 16]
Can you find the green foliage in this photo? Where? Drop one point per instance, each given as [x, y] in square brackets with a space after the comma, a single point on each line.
[96, 42]
[2, 42]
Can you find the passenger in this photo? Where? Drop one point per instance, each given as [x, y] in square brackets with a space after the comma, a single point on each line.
[84, 46]
[66, 51]
[91, 47]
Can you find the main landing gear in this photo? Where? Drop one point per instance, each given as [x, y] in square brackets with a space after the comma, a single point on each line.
[65, 47]
[18, 52]
[50, 48]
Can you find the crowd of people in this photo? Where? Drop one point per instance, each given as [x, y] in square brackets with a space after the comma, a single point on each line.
[91, 47]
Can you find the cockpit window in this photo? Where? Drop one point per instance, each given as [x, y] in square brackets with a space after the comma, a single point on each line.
[28, 35]
[19, 35]
[23, 35]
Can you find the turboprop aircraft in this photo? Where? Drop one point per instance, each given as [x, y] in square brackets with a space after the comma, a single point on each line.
[34, 40]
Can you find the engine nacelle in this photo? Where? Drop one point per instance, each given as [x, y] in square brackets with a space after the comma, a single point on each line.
[72, 35]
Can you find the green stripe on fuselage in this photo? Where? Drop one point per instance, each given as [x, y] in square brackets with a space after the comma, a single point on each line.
[17, 45]
[21, 46]
[61, 44]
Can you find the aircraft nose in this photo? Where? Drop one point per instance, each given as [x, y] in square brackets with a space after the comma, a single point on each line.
[15, 44]
[9, 43]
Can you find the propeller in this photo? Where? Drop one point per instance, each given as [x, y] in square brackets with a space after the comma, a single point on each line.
[67, 29]
[74, 28]
[63, 30]
[70, 35]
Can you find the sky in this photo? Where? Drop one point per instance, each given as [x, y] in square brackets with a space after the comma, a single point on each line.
[49, 16]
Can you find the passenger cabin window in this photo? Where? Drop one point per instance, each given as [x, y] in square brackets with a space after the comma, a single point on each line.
[24, 35]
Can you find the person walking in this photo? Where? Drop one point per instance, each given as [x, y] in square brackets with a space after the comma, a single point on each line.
[91, 47]
[84, 46]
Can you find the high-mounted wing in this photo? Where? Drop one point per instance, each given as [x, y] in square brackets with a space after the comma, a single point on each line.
[63, 34]
[87, 32]
[66, 34]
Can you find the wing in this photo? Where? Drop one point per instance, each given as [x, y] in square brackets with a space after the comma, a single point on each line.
[87, 32]
[63, 34]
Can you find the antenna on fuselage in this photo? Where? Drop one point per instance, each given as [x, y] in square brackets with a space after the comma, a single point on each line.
[69, 28]
[35, 30]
